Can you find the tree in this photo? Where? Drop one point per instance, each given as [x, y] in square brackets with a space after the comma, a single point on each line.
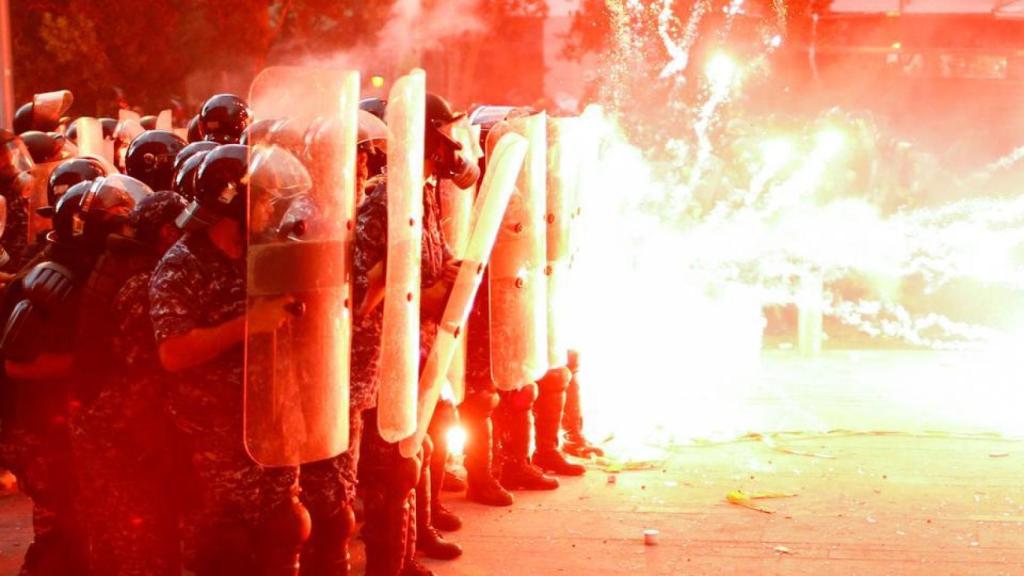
[152, 51]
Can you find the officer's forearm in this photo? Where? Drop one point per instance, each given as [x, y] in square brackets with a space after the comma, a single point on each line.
[44, 367]
[201, 345]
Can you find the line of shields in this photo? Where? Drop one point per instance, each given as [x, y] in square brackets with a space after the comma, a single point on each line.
[518, 221]
[91, 140]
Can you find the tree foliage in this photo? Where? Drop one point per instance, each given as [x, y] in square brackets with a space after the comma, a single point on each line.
[146, 53]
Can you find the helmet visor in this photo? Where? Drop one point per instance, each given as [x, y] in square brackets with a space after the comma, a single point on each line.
[20, 159]
[276, 172]
[116, 195]
[372, 132]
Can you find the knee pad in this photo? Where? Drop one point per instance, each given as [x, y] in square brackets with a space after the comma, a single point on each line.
[480, 404]
[406, 474]
[286, 525]
[522, 399]
[336, 527]
[555, 381]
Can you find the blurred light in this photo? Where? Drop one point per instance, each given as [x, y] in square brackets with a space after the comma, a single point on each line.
[735, 7]
[456, 438]
[721, 71]
[776, 153]
[829, 142]
[377, 81]
[897, 45]
[776, 41]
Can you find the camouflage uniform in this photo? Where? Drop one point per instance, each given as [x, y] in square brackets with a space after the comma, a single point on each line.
[388, 480]
[197, 286]
[124, 448]
[123, 439]
[35, 442]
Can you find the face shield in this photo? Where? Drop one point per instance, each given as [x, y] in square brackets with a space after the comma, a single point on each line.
[50, 106]
[277, 173]
[110, 200]
[276, 177]
[18, 157]
[372, 133]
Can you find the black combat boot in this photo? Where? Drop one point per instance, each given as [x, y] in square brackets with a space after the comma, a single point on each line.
[517, 472]
[428, 539]
[574, 442]
[481, 485]
[326, 552]
[547, 412]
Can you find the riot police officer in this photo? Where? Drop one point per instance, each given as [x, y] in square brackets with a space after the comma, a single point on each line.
[248, 518]
[123, 437]
[388, 480]
[40, 311]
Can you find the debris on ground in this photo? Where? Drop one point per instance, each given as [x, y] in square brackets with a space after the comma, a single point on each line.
[741, 498]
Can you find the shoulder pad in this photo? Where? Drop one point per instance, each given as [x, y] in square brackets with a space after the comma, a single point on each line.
[45, 293]
[49, 285]
[23, 333]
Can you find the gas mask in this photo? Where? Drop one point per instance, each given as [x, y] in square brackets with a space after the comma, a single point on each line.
[454, 166]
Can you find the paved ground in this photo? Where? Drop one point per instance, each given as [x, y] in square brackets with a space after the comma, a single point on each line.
[864, 505]
[861, 504]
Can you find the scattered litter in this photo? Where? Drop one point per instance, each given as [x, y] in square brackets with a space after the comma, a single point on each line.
[783, 550]
[740, 498]
[871, 520]
[671, 483]
[651, 537]
[999, 455]
[613, 478]
[628, 466]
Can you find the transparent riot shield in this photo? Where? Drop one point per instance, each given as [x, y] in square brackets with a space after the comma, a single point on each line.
[90, 138]
[562, 177]
[300, 247]
[456, 218]
[489, 210]
[50, 106]
[38, 215]
[400, 342]
[164, 121]
[519, 342]
[456, 212]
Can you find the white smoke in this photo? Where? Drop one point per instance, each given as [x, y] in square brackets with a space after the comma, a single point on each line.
[412, 28]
